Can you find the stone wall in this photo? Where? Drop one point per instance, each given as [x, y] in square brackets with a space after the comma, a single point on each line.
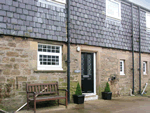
[108, 65]
[18, 66]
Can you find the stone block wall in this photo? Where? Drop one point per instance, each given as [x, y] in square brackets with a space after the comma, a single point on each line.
[108, 65]
[18, 66]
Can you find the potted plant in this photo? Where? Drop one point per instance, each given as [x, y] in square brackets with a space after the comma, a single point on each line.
[78, 98]
[107, 94]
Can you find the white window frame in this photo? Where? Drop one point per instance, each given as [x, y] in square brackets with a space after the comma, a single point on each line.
[147, 15]
[123, 66]
[113, 16]
[60, 1]
[145, 72]
[49, 67]
[53, 2]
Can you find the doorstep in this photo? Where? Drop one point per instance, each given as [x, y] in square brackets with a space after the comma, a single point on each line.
[90, 97]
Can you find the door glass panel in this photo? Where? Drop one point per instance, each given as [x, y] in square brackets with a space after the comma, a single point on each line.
[89, 65]
[82, 64]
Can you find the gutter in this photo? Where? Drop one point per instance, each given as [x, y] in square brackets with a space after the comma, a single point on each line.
[132, 50]
[68, 49]
[139, 51]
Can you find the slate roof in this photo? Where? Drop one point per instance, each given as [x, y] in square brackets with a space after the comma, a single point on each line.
[89, 23]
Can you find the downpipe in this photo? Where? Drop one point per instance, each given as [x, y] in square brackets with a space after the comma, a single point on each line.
[139, 51]
[132, 51]
[68, 49]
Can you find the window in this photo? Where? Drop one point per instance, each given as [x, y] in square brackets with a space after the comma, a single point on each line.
[122, 67]
[49, 57]
[60, 1]
[144, 68]
[113, 9]
[148, 20]
[52, 2]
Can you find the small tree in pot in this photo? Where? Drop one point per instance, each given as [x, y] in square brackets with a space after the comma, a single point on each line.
[107, 94]
[78, 97]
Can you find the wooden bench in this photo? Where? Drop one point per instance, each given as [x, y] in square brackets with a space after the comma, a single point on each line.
[44, 92]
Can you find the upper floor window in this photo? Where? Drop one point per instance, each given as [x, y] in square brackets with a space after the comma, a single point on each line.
[60, 1]
[144, 68]
[113, 9]
[122, 67]
[49, 57]
[148, 20]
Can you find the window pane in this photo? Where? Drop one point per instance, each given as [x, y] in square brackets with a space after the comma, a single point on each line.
[44, 50]
[148, 20]
[144, 67]
[39, 49]
[48, 48]
[57, 51]
[120, 66]
[113, 8]
[49, 60]
[39, 46]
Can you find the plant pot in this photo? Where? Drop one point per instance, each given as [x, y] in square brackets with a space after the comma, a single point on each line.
[106, 95]
[78, 99]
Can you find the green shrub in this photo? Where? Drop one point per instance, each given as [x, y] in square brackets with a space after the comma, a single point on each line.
[107, 88]
[78, 90]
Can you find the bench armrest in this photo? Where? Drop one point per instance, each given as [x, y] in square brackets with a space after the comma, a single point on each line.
[63, 89]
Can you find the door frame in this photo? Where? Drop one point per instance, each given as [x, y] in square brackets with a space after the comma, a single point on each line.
[94, 74]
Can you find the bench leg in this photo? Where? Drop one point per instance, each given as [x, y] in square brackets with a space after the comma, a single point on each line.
[58, 102]
[66, 102]
[34, 106]
[27, 104]
[66, 99]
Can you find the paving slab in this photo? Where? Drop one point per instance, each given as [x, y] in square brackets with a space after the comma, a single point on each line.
[123, 104]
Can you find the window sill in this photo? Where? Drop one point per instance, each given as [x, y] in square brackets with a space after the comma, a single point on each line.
[113, 18]
[144, 74]
[50, 71]
[122, 74]
[148, 29]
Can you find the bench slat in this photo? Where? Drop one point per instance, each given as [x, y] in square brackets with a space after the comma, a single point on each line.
[30, 88]
[39, 88]
[36, 89]
[50, 87]
[40, 84]
[47, 98]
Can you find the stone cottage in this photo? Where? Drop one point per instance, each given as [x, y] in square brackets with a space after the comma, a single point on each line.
[109, 39]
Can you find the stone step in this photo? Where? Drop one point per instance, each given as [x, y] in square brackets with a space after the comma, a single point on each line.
[91, 97]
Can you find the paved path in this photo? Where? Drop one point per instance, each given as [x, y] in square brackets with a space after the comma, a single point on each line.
[116, 105]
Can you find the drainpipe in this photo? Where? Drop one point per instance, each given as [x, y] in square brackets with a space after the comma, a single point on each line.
[139, 52]
[132, 50]
[68, 49]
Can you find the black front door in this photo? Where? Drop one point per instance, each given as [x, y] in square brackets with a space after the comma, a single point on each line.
[87, 72]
